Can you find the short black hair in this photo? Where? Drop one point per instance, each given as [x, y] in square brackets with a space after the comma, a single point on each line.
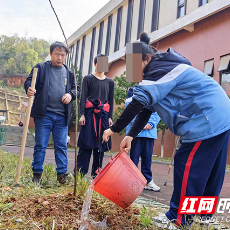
[99, 55]
[59, 45]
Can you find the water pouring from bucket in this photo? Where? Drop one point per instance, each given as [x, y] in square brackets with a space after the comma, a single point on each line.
[120, 180]
[86, 208]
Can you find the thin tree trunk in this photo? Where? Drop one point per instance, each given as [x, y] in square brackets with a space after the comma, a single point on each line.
[162, 142]
[76, 80]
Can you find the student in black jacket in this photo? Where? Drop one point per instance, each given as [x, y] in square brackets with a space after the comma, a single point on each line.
[51, 110]
[96, 108]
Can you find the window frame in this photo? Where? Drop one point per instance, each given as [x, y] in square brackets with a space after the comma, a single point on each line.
[179, 7]
[141, 18]
[221, 70]
[100, 37]
[155, 15]
[92, 50]
[118, 29]
[225, 71]
[129, 22]
[201, 3]
[77, 52]
[108, 35]
[82, 53]
[211, 74]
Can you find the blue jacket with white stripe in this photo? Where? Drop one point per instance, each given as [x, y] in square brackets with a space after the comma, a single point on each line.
[192, 105]
[153, 120]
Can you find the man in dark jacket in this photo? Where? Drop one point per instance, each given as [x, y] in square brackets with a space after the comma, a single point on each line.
[51, 110]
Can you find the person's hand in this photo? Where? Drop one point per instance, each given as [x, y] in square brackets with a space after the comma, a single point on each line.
[31, 92]
[82, 120]
[110, 122]
[126, 143]
[148, 127]
[66, 99]
[107, 134]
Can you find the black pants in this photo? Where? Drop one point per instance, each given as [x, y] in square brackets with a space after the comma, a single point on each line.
[83, 160]
[143, 146]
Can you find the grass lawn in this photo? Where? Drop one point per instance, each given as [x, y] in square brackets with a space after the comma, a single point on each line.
[52, 206]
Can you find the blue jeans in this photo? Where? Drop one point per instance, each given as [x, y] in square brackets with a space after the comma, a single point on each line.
[43, 127]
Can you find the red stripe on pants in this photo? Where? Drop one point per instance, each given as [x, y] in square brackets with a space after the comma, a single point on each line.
[185, 177]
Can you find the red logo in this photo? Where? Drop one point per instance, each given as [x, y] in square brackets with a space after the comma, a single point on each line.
[198, 205]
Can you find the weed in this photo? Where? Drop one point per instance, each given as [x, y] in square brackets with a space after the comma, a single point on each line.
[145, 217]
[82, 183]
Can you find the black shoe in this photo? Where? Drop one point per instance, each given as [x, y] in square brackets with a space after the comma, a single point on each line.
[64, 179]
[37, 178]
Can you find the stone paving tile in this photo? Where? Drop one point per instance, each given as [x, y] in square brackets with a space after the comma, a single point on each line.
[142, 201]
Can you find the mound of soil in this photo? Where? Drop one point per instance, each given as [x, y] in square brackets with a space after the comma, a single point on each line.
[65, 210]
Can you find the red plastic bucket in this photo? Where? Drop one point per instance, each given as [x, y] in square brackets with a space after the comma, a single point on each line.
[120, 180]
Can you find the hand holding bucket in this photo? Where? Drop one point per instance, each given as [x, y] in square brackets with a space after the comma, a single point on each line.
[125, 143]
[107, 134]
[120, 180]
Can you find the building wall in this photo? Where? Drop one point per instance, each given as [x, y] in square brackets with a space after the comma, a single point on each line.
[113, 33]
[192, 5]
[207, 41]
[135, 20]
[96, 45]
[148, 16]
[104, 36]
[123, 26]
[165, 18]
[167, 15]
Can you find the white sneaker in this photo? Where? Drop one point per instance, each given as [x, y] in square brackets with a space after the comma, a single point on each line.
[152, 186]
[163, 222]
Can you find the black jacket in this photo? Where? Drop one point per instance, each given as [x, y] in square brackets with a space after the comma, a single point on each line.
[39, 107]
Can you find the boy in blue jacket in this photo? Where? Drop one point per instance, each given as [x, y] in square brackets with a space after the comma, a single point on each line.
[143, 144]
[194, 107]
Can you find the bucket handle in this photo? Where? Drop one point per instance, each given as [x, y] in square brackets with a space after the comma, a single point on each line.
[98, 171]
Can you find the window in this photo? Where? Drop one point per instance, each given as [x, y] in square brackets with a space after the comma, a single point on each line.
[225, 81]
[181, 8]
[70, 56]
[108, 36]
[224, 69]
[118, 29]
[77, 51]
[82, 53]
[155, 15]
[92, 50]
[208, 67]
[129, 22]
[202, 2]
[67, 60]
[141, 18]
[224, 63]
[100, 37]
